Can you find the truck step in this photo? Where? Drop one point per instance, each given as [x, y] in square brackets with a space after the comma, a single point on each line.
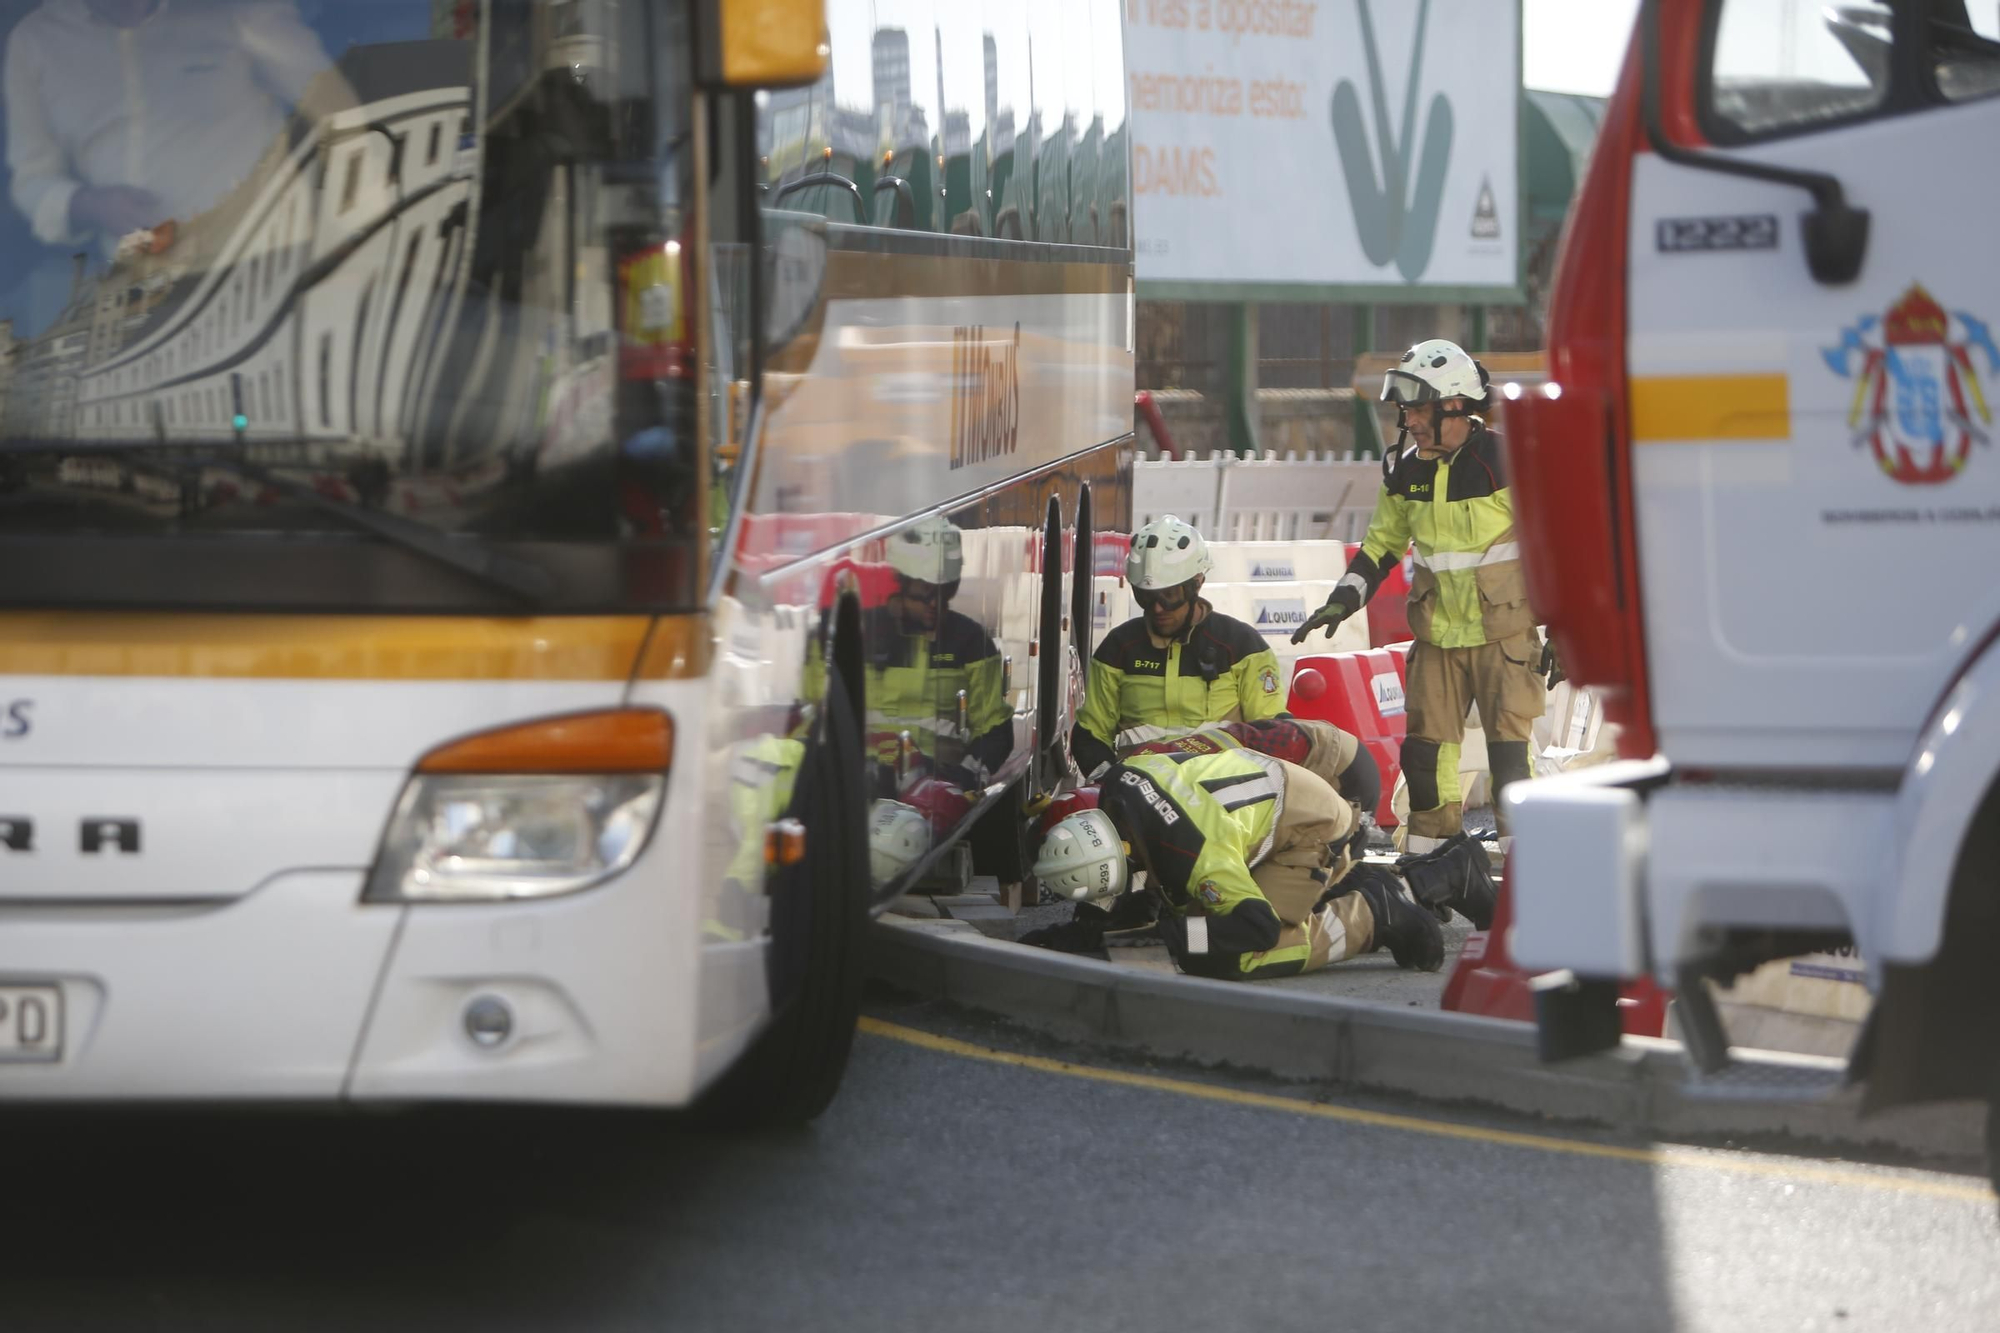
[1768, 1079]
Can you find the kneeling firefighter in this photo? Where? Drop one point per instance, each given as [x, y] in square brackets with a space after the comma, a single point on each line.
[1178, 666]
[1476, 636]
[1250, 857]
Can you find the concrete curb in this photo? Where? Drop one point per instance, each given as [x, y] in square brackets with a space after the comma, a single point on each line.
[1444, 1057]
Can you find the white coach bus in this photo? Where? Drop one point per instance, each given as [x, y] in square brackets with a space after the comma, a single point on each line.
[477, 559]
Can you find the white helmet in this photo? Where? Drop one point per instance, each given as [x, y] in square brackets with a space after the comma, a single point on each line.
[931, 550]
[1082, 858]
[1434, 369]
[1165, 554]
[898, 836]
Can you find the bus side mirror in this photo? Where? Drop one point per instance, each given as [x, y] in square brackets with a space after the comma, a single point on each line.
[744, 44]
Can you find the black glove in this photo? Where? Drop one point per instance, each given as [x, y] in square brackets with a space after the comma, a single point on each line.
[1551, 666]
[1343, 603]
[1082, 933]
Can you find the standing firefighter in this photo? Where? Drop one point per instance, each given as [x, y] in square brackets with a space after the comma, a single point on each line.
[1477, 640]
[1250, 858]
[1181, 664]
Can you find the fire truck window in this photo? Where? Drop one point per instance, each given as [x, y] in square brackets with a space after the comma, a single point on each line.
[1965, 50]
[1783, 67]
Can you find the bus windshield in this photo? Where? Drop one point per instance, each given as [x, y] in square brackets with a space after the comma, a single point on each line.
[369, 305]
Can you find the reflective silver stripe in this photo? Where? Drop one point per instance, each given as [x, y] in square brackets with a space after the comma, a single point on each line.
[1146, 734]
[1275, 769]
[749, 771]
[1444, 562]
[1356, 582]
[1243, 789]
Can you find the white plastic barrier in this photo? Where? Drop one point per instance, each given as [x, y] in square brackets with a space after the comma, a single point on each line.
[1320, 497]
[1277, 562]
[1111, 606]
[1812, 1005]
[1571, 720]
[1276, 610]
[1187, 488]
[1571, 733]
[1293, 499]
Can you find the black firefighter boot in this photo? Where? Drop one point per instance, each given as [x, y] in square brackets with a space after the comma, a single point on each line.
[1453, 877]
[1412, 933]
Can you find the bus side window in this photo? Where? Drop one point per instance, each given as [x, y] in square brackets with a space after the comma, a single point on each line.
[966, 91]
[1113, 183]
[1053, 129]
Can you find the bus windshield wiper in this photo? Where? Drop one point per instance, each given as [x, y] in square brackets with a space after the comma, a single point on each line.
[518, 578]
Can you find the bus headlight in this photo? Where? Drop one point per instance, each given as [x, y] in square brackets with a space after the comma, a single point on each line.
[485, 838]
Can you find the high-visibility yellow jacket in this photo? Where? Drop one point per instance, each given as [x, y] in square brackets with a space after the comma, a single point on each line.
[763, 775]
[913, 684]
[1468, 588]
[1204, 820]
[1221, 671]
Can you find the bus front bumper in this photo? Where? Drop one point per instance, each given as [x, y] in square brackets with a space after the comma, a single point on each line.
[300, 992]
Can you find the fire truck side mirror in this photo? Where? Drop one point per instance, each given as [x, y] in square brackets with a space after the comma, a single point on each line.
[1834, 233]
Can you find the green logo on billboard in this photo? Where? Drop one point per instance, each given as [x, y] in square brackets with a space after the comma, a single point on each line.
[1396, 218]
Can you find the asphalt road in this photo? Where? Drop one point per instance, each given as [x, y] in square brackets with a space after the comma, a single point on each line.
[982, 1186]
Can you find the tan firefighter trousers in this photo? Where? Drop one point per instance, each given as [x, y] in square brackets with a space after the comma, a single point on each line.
[1297, 872]
[1444, 683]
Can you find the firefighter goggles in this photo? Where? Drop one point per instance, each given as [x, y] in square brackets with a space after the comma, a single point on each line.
[1167, 599]
[1401, 387]
[919, 591]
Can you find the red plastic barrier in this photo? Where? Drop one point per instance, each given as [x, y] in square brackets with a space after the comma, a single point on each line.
[874, 581]
[765, 540]
[820, 585]
[1487, 981]
[1109, 550]
[1389, 609]
[1399, 653]
[1363, 694]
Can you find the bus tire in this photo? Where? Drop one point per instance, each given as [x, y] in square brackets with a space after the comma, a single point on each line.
[818, 955]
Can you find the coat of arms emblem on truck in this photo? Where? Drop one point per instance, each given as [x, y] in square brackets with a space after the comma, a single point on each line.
[1919, 405]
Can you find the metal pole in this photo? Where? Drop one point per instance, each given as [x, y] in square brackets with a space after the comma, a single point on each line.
[1242, 383]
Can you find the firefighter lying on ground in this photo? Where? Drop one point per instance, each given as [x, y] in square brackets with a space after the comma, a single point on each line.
[1178, 666]
[1251, 859]
[1476, 635]
[1335, 756]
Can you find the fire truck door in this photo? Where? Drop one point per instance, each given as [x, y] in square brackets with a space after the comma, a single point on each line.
[1817, 491]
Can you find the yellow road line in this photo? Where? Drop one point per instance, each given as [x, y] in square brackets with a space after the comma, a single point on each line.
[1445, 1129]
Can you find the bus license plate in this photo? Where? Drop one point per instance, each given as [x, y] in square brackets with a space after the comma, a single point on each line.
[31, 1023]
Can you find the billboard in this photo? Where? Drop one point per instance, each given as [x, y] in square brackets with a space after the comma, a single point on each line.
[1325, 143]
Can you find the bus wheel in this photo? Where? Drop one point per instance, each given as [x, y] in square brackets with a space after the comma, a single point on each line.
[818, 951]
